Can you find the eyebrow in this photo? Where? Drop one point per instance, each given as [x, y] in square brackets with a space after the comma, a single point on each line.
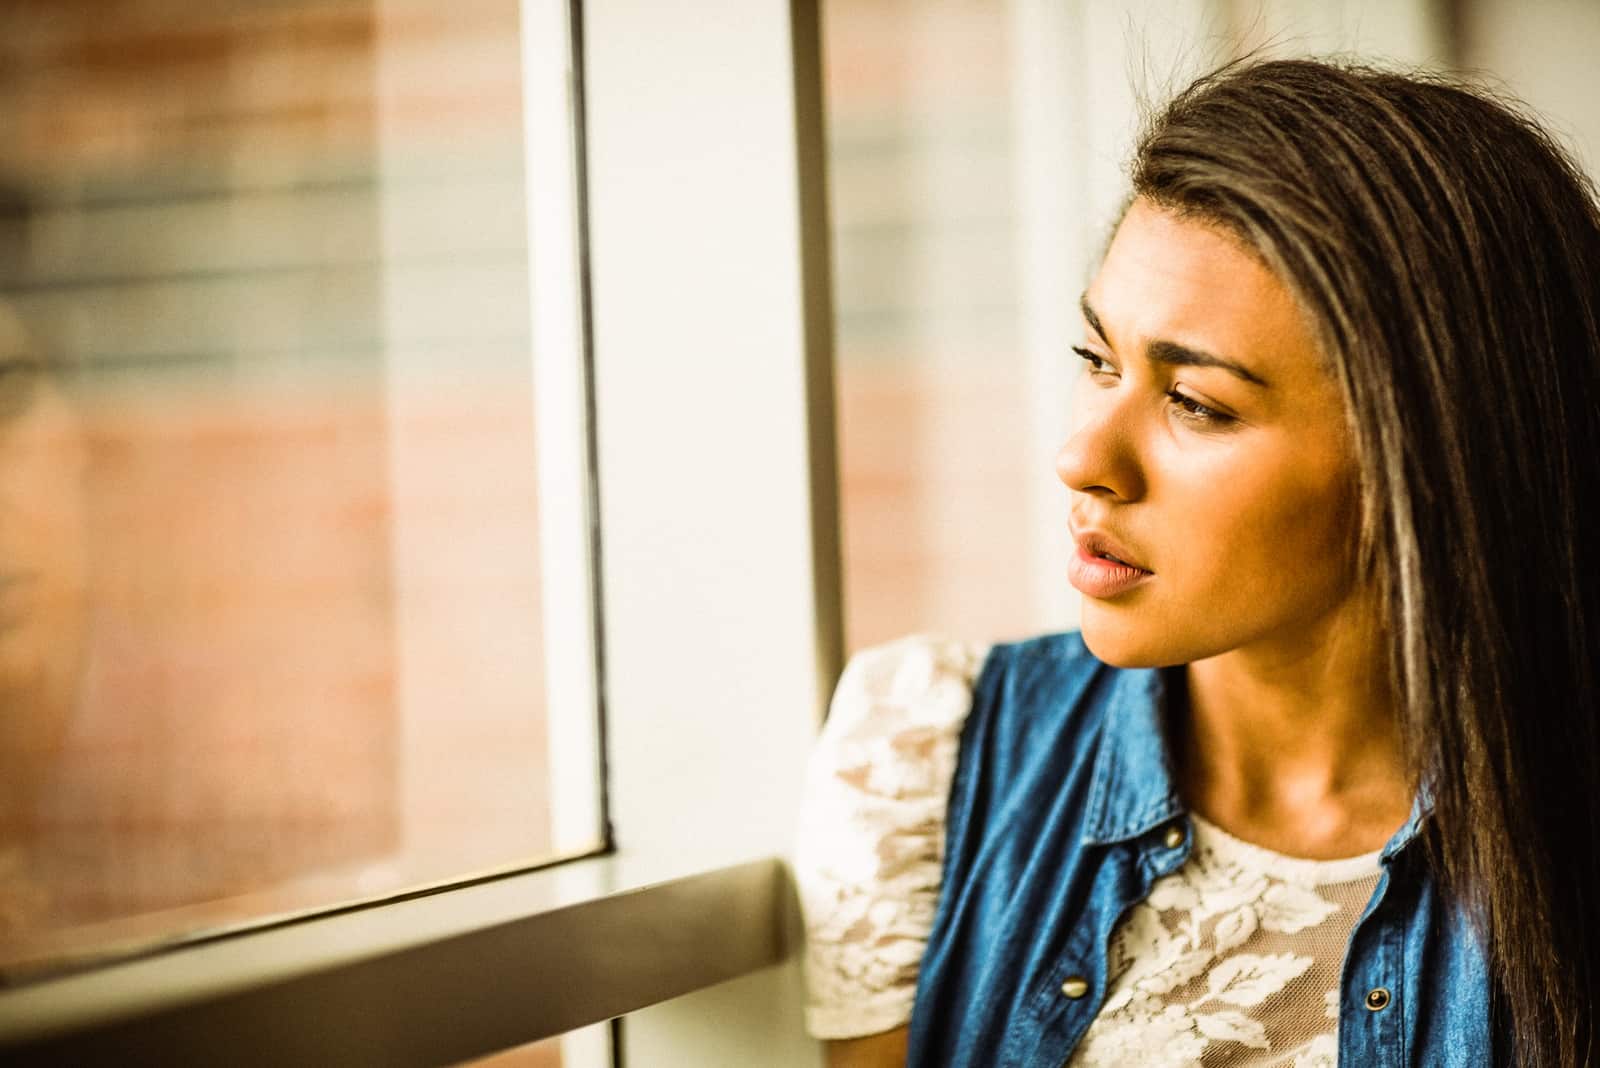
[1170, 352]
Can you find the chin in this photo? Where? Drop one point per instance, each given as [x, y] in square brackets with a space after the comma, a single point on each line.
[1129, 639]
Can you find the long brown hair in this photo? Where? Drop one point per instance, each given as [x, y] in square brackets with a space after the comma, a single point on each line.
[1448, 253]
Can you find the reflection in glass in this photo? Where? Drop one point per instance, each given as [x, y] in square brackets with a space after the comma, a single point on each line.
[270, 616]
[43, 601]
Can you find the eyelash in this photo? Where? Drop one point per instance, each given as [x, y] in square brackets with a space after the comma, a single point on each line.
[1189, 409]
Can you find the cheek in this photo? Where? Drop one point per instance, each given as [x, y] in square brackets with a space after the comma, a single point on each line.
[1253, 542]
[1271, 537]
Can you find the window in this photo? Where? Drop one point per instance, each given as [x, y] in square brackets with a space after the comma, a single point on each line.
[293, 514]
[709, 335]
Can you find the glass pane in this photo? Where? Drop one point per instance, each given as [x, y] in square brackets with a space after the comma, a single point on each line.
[935, 455]
[270, 578]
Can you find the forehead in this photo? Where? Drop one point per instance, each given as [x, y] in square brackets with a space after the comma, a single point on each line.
[1178, 279]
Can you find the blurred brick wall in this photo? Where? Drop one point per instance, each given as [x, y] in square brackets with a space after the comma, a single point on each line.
[248, 212]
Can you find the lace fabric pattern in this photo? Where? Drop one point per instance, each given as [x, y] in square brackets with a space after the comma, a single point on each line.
[1234, 960]
[869, 855]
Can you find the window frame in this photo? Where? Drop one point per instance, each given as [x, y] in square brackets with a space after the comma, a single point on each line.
[703, 268]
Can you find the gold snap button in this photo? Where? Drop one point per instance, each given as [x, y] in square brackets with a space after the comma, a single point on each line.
[1175, 836]
[1075, 987]
[1377, 998]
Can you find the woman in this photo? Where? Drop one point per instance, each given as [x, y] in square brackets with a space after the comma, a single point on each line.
[1317, 782]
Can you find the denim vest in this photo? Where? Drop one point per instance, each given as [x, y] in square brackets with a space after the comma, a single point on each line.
[1059, 821]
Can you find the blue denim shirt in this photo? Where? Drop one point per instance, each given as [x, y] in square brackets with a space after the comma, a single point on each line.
[1058, 823]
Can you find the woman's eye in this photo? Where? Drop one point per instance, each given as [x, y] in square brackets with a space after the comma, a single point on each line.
[1096, 364]
[1192, 410]
[1185, 407]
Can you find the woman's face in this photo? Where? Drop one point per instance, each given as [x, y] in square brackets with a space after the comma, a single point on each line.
[1211, 447]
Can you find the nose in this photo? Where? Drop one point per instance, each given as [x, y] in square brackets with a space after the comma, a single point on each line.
[1101, 457]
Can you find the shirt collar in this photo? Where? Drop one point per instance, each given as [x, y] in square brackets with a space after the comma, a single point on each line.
[1134, 789]
[1421, 809]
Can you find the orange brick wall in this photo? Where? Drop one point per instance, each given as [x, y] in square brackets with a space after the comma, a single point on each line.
[313, 666]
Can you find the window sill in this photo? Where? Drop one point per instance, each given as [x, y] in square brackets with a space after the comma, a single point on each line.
[435, 979]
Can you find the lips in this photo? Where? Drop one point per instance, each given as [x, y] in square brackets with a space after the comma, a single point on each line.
[1102, 568]
[1097, 543]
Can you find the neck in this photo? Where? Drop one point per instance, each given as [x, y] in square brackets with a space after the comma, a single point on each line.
[1295, 745]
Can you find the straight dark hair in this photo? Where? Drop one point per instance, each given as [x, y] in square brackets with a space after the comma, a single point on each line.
[1447, 252]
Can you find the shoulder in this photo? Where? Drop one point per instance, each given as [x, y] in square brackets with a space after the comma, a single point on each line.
[1062, 657]
[870, 853]
[1034, 729]
[906, 713]
[921, 678]
[931, 678]
[1050, 683]
[870, 845]
[929, 684]
[898, 709]
[901, 709]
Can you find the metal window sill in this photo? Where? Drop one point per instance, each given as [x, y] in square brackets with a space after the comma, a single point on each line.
[430, 980]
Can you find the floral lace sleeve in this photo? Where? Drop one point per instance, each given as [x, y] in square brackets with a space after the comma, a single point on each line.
[870, 851]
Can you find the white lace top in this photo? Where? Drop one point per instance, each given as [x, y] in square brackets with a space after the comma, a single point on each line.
[1233, 960]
